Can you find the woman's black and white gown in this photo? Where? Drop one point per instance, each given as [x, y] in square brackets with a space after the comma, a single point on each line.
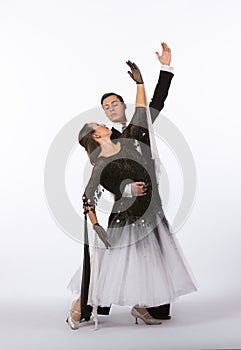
[145, 264]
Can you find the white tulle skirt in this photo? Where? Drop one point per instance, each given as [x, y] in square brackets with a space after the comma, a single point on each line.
[141, 267]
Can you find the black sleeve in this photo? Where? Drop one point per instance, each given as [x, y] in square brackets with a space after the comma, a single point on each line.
[138, 127]
[160, 94]
[91, 194]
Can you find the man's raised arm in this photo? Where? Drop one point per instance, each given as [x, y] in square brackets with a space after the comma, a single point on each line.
[164, 82]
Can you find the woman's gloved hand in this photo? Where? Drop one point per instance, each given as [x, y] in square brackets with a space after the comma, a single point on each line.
[135, 73]
[102, 234]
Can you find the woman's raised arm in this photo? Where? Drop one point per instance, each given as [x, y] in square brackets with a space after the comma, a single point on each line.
[135, 74]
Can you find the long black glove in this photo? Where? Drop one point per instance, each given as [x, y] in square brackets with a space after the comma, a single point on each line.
[135, 73]
[102, 235]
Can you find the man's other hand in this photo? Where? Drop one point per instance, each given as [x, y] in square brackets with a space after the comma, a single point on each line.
[138, 189]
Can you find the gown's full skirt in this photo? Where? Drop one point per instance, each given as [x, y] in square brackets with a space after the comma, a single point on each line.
[143, 266]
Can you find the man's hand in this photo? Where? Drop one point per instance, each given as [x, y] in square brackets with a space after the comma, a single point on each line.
[165, 57]
[135, 73]
[138, 189]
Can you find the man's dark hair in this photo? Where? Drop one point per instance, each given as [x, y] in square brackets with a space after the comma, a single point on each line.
[120, 98]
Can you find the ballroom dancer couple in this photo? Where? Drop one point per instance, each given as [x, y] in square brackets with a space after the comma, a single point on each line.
[140, 263]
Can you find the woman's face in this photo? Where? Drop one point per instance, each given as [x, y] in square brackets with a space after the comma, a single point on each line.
[100, 130]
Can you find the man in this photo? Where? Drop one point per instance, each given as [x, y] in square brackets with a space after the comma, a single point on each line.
[114, 107]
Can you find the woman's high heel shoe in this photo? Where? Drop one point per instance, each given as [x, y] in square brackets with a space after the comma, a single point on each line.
[137, 315]
[71, 322]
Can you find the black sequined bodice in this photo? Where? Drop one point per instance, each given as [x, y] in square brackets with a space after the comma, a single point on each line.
[120, 170]
[127, 166]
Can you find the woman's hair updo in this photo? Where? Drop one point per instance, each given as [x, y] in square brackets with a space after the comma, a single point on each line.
[86, 140]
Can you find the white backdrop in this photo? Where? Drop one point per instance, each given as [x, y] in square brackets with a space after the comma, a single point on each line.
[57, 59]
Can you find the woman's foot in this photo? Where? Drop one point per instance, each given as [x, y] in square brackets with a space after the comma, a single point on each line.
[74, 318]
[143, 314]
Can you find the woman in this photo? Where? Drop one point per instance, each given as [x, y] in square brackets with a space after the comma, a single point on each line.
[143, 265]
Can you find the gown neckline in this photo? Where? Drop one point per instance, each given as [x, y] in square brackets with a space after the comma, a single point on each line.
[112, 154]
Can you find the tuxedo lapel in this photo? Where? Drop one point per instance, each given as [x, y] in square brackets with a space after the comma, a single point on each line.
[115, 134]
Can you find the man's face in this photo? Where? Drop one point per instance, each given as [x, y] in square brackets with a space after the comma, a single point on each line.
[114, 109]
